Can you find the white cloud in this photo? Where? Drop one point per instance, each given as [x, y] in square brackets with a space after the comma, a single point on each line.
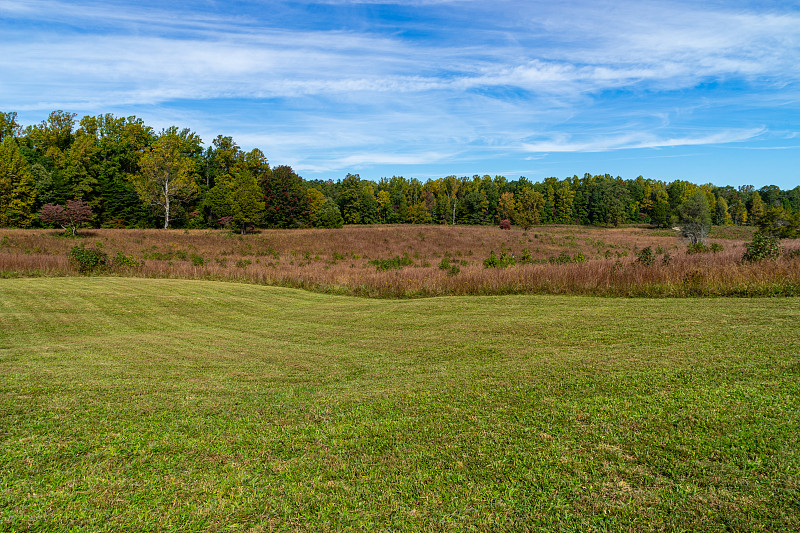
[522, 76]
[565, 143]
[363, 159]
[223, 59]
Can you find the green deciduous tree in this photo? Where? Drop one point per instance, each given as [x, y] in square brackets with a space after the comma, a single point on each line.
[119, 143]
[53, 137]
[564, 197]
[328, 215]
[247, 201]
[351, 198]
[722, 216]
[506, 206]
[217, 201]
[384, 205]
[8, 125]
[528, 208]
[695, 217]
[661, 213]
[738, 212]
[419, 214]
[756, 208]
[81, 169]
[315, 200]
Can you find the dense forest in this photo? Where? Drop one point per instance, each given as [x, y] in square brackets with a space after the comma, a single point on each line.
[132, 176]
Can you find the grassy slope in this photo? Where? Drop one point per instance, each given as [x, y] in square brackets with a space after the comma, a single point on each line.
[163, 404]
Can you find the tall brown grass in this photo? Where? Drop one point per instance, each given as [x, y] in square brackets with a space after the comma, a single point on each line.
[338, 261]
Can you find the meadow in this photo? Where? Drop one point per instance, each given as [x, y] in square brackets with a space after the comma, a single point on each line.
[413, 261]
[164, 405]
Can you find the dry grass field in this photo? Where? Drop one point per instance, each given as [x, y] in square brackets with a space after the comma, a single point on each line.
[421, 260]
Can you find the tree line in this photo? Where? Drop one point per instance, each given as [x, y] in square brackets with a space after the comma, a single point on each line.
[129, 175]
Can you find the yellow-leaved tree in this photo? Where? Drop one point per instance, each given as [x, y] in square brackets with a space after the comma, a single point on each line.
[167, 174]
[17, 188]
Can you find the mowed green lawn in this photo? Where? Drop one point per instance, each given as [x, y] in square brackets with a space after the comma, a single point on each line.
[158, 405]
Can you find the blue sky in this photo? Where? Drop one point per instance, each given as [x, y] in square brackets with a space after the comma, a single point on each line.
[703, 91]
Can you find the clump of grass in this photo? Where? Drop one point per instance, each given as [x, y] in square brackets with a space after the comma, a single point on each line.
[125, 261]
[169, 255]
[564, 258]
[452, 269]
[197, 260]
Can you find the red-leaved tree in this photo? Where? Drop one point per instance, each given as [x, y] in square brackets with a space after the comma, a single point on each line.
[73, 215]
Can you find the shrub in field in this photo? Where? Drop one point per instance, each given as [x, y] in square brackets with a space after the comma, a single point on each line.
[88, 259]
[396, 262]
[505, 224]
[505, 260]
[645, 256]
[564, 258]
[451, 268]
[197, 260]
[716, 247]
[697, 248]
[762, 247]
[526, 257]
[122, 260]
[560, 259]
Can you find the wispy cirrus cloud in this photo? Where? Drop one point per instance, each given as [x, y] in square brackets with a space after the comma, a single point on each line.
[224, 58]
[404, 84]
[638, 140]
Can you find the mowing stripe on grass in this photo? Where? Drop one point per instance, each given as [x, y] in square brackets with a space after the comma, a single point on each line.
[145, 405]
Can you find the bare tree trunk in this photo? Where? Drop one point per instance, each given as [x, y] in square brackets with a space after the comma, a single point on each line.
[166, 205]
